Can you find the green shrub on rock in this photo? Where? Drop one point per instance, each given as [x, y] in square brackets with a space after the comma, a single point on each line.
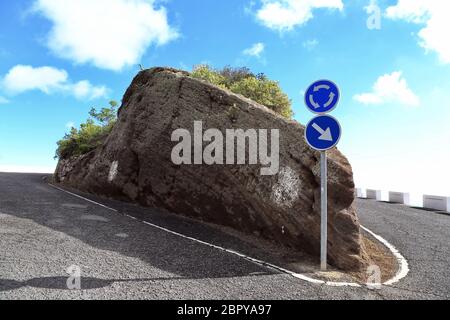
[255, 87]
[90, 135]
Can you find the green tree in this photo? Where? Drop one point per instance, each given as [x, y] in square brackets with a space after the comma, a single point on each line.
[106, 116]
[242, 81]
[90, 135]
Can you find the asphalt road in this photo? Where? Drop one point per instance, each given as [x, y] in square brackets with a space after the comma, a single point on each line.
[44, 231]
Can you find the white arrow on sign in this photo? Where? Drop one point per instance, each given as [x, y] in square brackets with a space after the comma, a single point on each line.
[322, 86]
[330, 101]
[315, 104]
[326, 105]
[325, 134]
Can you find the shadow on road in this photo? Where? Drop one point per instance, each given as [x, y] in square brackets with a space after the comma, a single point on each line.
[27, 196]
[60, 283]
[432, 211]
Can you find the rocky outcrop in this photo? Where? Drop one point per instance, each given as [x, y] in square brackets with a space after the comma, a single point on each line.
[135, 164]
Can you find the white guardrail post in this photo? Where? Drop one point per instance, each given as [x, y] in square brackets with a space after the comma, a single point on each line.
[436, 203]
[373, 194]
[359, 193]
[429, 202]
[399, 197]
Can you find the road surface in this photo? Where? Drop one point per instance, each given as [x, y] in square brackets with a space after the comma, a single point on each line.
[44, 231]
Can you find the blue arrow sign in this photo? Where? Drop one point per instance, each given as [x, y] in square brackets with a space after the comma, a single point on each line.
[323, 133]
[322, 96]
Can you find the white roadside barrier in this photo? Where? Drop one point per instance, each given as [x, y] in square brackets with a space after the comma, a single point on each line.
[373, 194]
[359, 193]
[436, 203]
[399, 197]
[429, 202]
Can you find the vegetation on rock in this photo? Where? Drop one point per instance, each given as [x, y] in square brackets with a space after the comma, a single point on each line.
[90, 135]
[256, 87]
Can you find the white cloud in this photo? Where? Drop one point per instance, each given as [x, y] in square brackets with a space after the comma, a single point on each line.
[433, 14]
[284, 15]
[310, 44]
[24, 78]
[85, 90]
[3, 100]
[109, 34]
[49, 80]
[390, 88]
[255, 51]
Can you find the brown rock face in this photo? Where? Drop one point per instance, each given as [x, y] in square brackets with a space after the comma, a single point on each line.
[135, 164]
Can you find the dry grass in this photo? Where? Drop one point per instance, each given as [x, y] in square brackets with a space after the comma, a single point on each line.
[380, 256]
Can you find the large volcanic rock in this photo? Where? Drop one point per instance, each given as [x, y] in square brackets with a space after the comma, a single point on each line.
[134, 164]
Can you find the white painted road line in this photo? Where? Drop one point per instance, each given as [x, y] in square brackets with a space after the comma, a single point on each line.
[403, 264]
[88, 200]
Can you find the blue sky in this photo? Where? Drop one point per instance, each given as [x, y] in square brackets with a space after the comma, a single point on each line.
[60, 58]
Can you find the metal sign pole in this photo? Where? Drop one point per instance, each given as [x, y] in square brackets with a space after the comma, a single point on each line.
[323, 133]
[324, 211]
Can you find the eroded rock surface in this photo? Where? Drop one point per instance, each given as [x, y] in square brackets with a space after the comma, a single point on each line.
[134, 164]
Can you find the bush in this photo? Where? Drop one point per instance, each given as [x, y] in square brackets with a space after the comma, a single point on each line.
[242, 81]
[90, 135]
[203, 72]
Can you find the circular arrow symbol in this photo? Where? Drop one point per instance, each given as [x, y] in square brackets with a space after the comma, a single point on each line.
[322, 96]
